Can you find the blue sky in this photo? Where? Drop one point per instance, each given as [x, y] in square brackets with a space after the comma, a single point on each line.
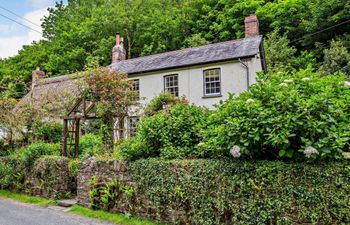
[14, 36]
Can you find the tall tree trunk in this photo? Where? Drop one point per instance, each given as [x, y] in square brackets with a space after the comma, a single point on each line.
[128, 37]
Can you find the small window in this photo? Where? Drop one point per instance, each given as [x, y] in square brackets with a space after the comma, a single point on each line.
[212, 82]
[132, 125]
[136, 88]
[171, 84]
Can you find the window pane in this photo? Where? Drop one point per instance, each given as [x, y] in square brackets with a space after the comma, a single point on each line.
[212, 82]
[136, 88]
[171, 84]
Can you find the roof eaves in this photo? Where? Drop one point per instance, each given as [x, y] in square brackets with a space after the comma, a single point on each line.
[193, 64]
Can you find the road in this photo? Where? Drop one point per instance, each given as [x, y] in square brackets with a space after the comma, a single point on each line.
[14, 213]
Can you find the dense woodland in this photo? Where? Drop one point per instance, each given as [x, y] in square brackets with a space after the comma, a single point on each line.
[299, 33]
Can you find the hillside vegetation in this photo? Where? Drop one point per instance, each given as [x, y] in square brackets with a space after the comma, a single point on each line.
[82, 33]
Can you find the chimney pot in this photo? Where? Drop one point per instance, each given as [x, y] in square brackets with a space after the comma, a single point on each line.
[251, 25]
[117, 38]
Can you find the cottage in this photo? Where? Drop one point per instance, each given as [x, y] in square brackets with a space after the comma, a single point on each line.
[204, 75]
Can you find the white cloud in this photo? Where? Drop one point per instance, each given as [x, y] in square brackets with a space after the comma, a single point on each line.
[9, 46]
[5, 28]
[39, 3]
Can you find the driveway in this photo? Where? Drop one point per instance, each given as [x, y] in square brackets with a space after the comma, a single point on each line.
[14, 213]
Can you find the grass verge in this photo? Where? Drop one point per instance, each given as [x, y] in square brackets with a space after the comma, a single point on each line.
[26, 199]
[107, 216]
[78, 210]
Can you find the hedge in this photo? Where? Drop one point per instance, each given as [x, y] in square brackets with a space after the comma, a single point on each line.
[224, 191]
[47, 176]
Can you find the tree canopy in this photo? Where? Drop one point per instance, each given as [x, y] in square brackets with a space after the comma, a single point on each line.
[83, 31]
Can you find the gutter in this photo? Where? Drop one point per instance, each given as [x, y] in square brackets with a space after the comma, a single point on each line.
[188, 65]
[247, 68]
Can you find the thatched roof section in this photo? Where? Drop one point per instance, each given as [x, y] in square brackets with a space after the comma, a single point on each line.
[57, 85]
[55, 94]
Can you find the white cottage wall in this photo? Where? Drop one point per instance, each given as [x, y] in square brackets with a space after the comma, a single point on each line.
[191, 81]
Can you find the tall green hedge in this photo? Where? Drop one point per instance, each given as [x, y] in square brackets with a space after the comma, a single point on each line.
[225, 191]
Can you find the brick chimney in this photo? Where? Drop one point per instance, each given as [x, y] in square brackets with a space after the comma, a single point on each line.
[118, 52]
[251, 24]
[37, 75]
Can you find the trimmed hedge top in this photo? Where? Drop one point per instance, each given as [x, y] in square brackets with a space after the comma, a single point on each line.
[225, 191]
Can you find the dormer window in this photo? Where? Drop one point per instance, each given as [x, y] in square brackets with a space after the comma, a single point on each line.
[212, 82]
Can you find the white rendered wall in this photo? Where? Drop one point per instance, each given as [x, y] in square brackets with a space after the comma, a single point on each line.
[233, 80]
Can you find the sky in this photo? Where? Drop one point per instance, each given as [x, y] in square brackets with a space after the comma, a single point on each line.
[13, 36]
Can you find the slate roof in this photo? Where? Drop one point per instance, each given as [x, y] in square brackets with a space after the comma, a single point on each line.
[223, 51]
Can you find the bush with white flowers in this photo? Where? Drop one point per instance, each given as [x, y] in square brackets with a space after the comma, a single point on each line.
[301, 116]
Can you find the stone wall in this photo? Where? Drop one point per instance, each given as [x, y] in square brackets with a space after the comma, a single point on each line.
[105, 171]
[218, 191]
[48, 177]
[51, 178]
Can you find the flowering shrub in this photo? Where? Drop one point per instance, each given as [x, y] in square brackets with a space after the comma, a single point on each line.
[299, 115]
[172, 133]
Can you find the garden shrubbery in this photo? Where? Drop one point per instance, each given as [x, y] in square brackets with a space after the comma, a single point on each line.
[90, 145]
[29, 154]
[50, 132]
[171, 133]
[284, 116]
[289, 116]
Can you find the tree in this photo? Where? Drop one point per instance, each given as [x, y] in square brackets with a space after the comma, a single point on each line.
[279, 55]
[11, 120]
[112, 92]
[336, 58]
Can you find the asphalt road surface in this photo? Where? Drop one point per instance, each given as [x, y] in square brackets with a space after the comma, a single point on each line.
[14, 213]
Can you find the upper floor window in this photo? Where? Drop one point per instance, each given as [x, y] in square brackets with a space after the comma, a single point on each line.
[212, 82]
[171, 84]
[136, 88]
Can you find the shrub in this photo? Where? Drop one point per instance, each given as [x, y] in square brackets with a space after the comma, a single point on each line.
[12, 173]
[90, 145]
[4, 149]
[172, 133]
[34, 151]
[5, 175]
[286, 116]
[223, 191]
[159, 103]
[49, 132]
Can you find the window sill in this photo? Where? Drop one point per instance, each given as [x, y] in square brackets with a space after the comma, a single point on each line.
[212, 96]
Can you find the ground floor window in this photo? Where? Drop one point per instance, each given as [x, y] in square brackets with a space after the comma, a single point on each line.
[132, 125]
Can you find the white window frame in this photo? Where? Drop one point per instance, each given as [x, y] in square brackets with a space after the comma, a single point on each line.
[168, 88]
[132, 125]
[212, 94]
[134, 88]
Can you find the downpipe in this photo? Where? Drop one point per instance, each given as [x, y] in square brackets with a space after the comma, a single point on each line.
[246, 67]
